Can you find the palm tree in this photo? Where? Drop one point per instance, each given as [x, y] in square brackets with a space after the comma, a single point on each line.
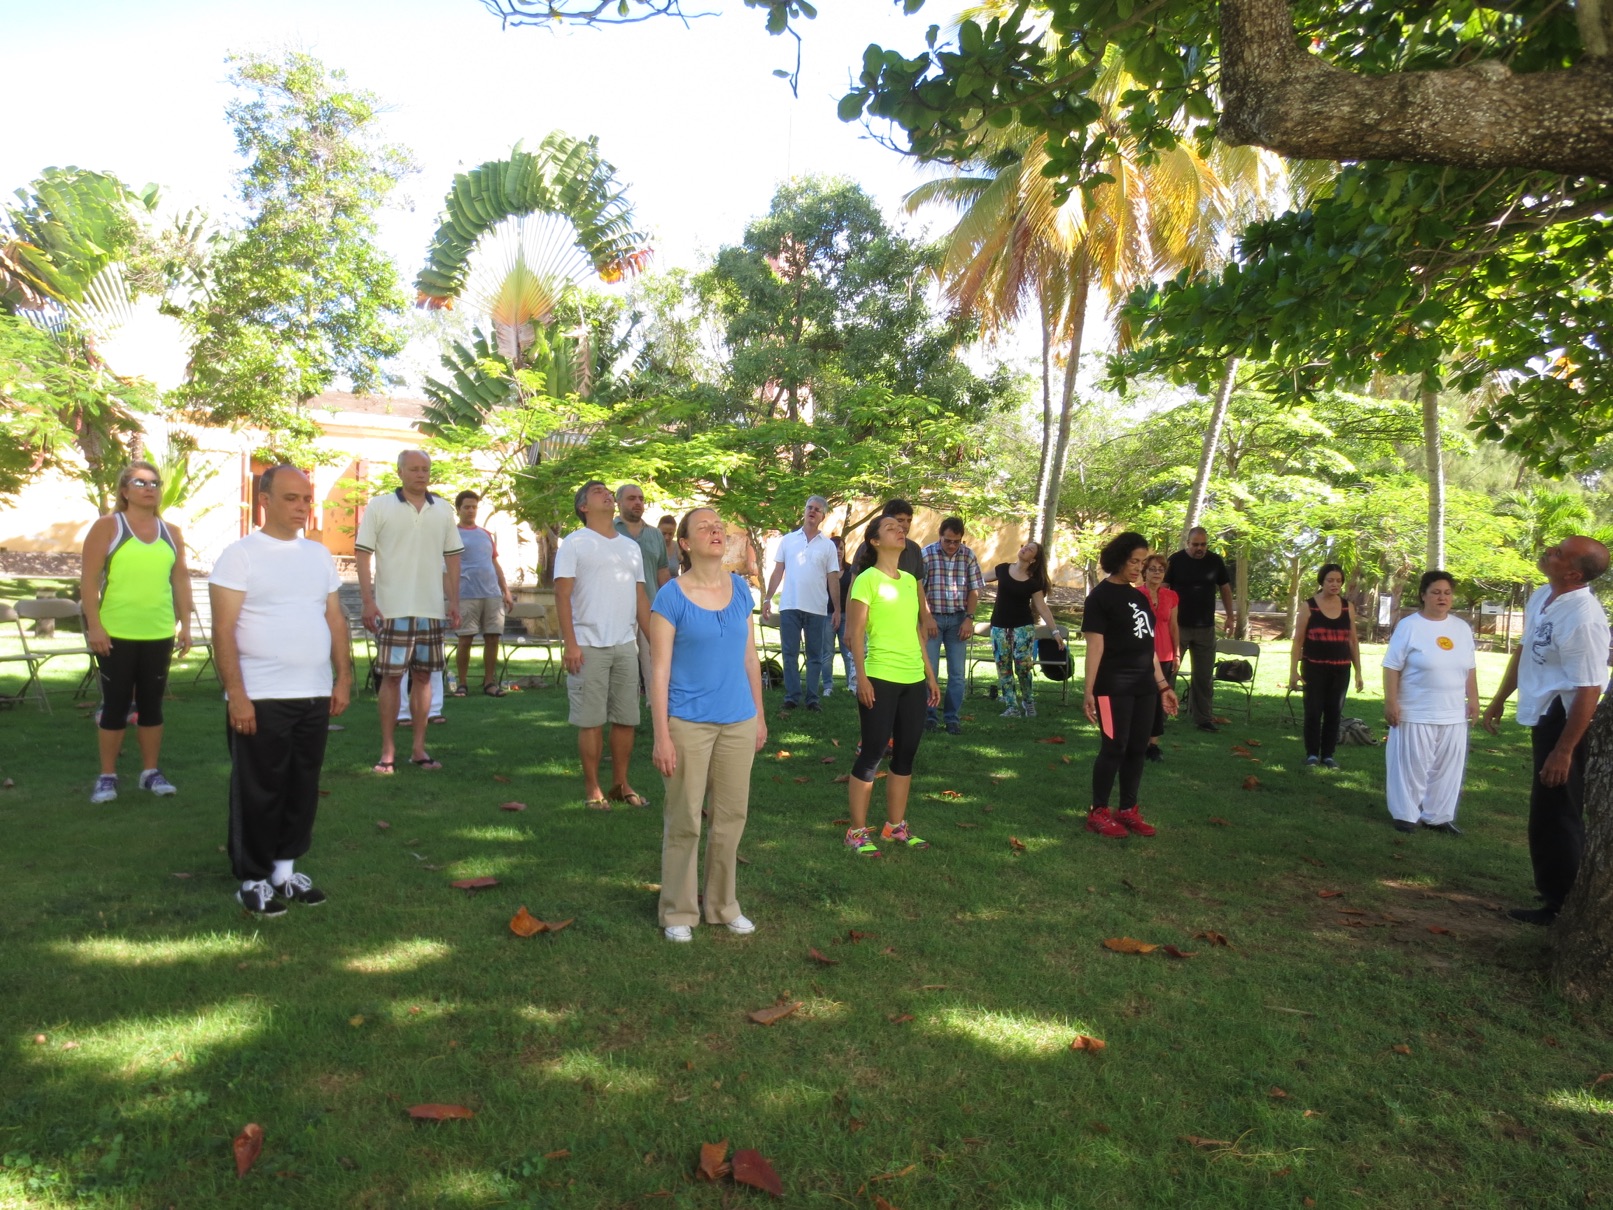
[1017, 248]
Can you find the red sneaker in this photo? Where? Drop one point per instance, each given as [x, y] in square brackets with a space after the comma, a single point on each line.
[1099, 820]
[1133, 821]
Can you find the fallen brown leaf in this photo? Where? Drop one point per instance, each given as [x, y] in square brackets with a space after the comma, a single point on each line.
[1100, 1127]
[1313, 1113]
[1212, 937]
[842, 779]
[827, 760]
[800, 781]
[1195, 1141]
[1240, 750]
[960, 823]
[900, 1018]
[178, 874]
[1016, 844]
[1176, 953]
[1434, 928]
[563, 1154]
[1602, 1079]
[474, 884]
[840, 823]
[773, 1012]
[855, 1124]
[512, 806]
[782, 754]
[556, 927]
[1251, 782]
[892, 1176]
[1088, 1044]
[438, 1113]
[324, 794]
[1276, 1093]
[713, 1161]
[881, 1204]
[1328, 894]
[1253, 743]
[1400, 1048]
[382, 824]
[248, 1146]
[501, 779]
[524, 923]
[950, 794]
[935, 987]
[1051, 739]
[1219, 822]
[889, 949]
[1128, 945]
[854, 936]
[835, 742]
[822, 959]
[751, 1169]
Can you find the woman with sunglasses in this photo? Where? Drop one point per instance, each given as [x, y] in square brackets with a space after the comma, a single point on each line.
[135, 589]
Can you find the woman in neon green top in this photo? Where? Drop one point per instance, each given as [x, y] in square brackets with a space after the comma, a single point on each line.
[134, 588]
[895, 684]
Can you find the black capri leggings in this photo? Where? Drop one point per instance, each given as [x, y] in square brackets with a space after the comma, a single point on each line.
[1125, 720]
[1325, 687]
[134, 670]
[897, 714]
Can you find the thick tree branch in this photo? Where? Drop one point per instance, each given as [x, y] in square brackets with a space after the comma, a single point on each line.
[1275, 94]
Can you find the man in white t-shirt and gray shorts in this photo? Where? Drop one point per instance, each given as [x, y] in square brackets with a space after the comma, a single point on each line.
[602, 611]
[277, 630]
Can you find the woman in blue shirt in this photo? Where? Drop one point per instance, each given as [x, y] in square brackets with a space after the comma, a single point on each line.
[706, 705]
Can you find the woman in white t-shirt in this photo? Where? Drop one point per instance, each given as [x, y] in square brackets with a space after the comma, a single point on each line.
[1430, 699]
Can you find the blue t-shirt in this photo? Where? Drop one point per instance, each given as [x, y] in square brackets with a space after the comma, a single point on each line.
[709, 683]
[477, 579]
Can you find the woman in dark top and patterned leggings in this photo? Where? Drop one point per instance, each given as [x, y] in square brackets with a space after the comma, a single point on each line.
[1124, 684]
[1021, 600]
[1325, 648]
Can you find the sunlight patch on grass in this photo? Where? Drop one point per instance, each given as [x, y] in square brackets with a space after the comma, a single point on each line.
[598, 1073]
[147, 1047]
[500, 835]
[1011, 1035]
[122, 951]
[1578, 1100]
[549, 1018]
[408, 955]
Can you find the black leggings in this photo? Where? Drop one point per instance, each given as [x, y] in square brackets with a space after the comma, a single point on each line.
[897, 714]
[1125, 721]
[1168, 667]
[134, 670]
[1325, 687]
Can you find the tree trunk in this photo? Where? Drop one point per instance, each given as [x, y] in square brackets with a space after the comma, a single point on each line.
[1240, 592]
[1295, 576]
[1582, 939]
[1212, 438]
[1047, 507]
[1434, 450]
[1044, 463]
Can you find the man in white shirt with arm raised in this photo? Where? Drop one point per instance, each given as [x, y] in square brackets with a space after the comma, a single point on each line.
[277, 631]
[809, 606]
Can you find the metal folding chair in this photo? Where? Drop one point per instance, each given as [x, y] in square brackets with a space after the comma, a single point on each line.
[1240, 649]
[39, 651]
[536, 632]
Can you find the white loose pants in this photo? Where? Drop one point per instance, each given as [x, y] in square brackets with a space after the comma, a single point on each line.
[1425, 766]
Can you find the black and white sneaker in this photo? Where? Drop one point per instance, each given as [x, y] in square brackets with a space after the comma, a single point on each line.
[300, 889]
[259, 900]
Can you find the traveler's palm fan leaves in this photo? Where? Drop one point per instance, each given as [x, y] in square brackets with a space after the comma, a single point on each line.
[70, 225]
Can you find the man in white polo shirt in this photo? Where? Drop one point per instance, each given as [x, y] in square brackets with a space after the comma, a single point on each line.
[1559, 671]
[600, 600]
[277, 630]
[810, 603]
[415, 535]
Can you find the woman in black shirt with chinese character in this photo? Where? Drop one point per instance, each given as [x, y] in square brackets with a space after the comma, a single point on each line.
[1123, 683]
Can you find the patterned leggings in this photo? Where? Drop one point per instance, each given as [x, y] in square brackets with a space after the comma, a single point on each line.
[1014, 648]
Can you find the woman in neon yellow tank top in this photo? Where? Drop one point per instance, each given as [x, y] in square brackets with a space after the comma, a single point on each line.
[134, 588]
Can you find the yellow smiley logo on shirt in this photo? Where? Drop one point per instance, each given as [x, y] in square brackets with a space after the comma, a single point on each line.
[1444, 643]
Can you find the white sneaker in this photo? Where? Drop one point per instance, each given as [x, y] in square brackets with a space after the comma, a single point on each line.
[741, 926]
[1030, 709]
[678, 932]
[1011, 712]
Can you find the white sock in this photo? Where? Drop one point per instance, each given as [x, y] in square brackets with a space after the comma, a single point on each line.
[282, 871]
[249, 884]
[145, 773]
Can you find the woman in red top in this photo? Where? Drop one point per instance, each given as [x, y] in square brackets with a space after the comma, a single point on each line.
[1167, 640]
[1325, 649]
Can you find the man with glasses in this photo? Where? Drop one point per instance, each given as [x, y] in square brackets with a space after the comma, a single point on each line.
[1196, 573]
[810, 603]
[952, 583]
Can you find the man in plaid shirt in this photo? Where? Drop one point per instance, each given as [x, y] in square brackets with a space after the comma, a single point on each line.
[952, 584]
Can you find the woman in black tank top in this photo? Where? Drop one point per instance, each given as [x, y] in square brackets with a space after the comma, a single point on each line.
[1325, 649]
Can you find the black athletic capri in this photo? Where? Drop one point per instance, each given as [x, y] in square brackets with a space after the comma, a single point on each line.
[135, 670]
[896, 715]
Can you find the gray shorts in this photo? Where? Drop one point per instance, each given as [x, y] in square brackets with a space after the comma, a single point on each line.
[607, 688]
[481, 615]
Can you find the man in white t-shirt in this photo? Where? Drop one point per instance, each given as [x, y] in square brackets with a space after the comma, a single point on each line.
[602, 610]
[810, 603]
[277, 630]
[1559, 671]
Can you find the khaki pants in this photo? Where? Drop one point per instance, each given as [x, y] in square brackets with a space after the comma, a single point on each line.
[714, 763]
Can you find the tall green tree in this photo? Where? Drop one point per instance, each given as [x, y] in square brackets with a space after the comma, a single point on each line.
[300, 296]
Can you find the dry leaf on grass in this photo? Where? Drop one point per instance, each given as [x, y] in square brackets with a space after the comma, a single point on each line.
[1240, 750]
[178, 874]
[753, 1170]
[1434, 928]
[854, 936]
[438, 1113]
[773, 1012]
[382, 824]
[1212, 937]
[1051, 739]
[950, 794]
[554, 926]
[1128, 945]
[1088, 1044]
[563, 1154]
[501, 779]
[827, 760]
[1176, 953]
[474, 884]
[1602, 1079]
[1276, 1094]
[713, 1161]
[248, 1146]
[1253, 743]
[1219, 822]
[900, 1018]
[512, 806]
[821, 958]
[842, 779]
[840, 823]
[961, 824]
[1313, 1113]
[1195, 1141]
[893, 1176]
[1016, 844]
[1400, 1048]
[800, 781]
[881, 1204]
[1328, 894]
[524, 923]
[835, 742]
[1251, 782]
[782, 754]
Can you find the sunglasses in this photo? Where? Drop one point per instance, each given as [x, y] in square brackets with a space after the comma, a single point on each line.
[145, 483]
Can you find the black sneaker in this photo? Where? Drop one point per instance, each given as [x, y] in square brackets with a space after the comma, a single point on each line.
[1541, 916]
[1153, 753]
[1208, 727]
[931, 724]
[300, 889]
[954, 729]
[814, 708]
[259, 900]
[1449, 828]
[1404, 825]
[788, 705]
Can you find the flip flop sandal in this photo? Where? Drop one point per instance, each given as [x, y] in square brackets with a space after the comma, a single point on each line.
[384, 768]
[494, 690]
[597, 804]
[629, 796]
[459, 691]
[425, 762]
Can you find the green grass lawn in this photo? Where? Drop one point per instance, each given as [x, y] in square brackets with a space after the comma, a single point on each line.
[1392, 1046]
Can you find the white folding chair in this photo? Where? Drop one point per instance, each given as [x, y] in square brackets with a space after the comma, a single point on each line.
[40, 651]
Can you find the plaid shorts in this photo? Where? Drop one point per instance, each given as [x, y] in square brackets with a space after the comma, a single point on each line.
[409, 642]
